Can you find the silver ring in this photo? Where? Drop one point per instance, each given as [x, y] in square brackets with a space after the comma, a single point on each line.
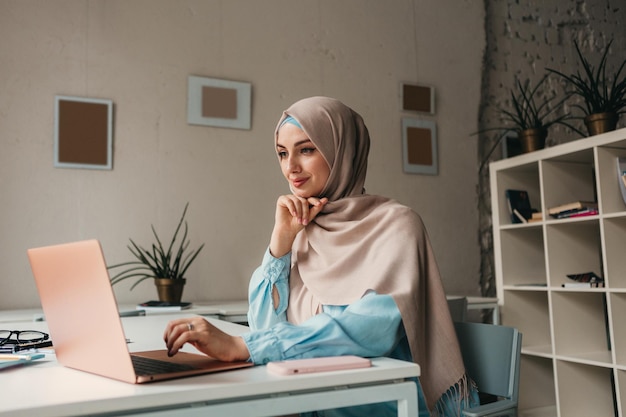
[190, 326]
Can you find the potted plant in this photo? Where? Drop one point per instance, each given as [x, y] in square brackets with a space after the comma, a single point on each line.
[528, 116]
[166, 267]
[603, 96]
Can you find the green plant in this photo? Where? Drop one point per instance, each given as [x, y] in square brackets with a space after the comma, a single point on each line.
[599, 92]
[158, 262]
[526, 111]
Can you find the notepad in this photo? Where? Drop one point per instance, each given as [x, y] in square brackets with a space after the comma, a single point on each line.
[10, 360]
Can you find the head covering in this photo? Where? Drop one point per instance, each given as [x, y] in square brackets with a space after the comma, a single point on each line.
[362, 242]
[342, 138]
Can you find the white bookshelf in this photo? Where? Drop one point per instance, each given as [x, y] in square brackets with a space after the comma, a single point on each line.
[574, 340]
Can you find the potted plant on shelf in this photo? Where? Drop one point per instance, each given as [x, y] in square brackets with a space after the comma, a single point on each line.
[166, 267]
[528, 116]
[603, 96]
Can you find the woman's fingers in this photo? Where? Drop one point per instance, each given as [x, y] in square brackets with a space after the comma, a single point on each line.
[205, 337]
[297, 207]
[194, 330]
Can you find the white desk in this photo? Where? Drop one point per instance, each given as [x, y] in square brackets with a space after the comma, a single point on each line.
[233, 311]
[47, 389]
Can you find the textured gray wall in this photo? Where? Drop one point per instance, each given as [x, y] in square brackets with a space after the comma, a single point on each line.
[523, 38]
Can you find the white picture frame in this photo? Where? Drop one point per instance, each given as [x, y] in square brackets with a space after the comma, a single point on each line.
[219, 103]
[419, 146]
[83, 133]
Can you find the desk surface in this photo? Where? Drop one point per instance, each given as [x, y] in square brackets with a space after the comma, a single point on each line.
[217, 309]
[45, 388]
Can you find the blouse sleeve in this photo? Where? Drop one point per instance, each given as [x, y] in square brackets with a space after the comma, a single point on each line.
[369, 327]
[273, 272]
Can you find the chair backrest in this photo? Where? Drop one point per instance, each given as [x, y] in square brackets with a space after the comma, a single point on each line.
[458, 307]
[491, 355]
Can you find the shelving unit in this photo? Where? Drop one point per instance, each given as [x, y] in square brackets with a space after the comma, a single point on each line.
[574, 340]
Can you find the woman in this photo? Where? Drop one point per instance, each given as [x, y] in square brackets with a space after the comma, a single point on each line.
[345, 272]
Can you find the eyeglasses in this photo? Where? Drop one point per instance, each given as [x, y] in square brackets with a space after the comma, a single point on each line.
[16, 340]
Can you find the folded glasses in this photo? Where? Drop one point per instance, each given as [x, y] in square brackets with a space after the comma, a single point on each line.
[16, 340]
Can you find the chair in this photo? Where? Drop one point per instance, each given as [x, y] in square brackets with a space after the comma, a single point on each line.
[491, 355]
[458, 307]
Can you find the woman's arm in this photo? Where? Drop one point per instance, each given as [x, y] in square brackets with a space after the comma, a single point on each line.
[369, 327]
[268, 292]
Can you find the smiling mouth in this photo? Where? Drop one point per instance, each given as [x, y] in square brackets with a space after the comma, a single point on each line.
[299, 182]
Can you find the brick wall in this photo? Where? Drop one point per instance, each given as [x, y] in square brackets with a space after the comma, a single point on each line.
[523, 37]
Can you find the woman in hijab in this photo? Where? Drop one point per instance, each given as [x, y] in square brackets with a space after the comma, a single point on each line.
[345, 273]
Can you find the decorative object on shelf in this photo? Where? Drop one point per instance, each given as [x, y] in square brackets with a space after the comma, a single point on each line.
[519, 205]
[530, 115]
[166, 267]
[603, 95]
[219, 103]
[584, 280]
[83, 133]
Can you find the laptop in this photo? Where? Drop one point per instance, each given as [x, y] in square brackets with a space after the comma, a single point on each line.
[84, 323]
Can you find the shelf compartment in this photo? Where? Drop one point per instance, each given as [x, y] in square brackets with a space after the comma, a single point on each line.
[615, 237]
[523, 259]
[528, 312]
[523, 177]
[568, 179]
[573, 248]
[618, 312]
[580, 326]
[536, 391]
[609, 188]
[585, 390]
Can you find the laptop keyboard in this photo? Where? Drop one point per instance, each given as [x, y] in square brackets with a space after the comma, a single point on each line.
[148, 366]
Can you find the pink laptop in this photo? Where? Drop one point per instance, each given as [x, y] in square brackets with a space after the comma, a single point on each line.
[86, 331]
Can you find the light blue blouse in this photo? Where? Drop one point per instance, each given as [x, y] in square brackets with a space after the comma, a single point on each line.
[369, 327]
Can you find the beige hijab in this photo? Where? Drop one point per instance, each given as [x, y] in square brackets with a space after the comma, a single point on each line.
[363, 242]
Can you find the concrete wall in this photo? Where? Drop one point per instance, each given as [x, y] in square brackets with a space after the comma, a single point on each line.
[139, 53]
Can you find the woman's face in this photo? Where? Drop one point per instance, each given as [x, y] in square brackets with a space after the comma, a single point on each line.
[302, 164]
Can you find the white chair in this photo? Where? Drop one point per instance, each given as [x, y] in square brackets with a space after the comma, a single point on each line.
[491, 355]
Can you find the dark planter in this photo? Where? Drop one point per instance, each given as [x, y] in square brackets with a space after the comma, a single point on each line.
[601, 122]
[170, 290]
[532, 139]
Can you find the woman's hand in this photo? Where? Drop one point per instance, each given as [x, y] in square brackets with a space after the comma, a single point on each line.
[206, 338]
[292, 215]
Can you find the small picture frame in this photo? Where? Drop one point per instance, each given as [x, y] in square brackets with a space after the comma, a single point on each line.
[83, 133]
[419, 98]
[219, 103]
[419, 146]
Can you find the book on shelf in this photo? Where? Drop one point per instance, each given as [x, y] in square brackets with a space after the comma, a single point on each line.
[583, 284]
[163, 306]
[519, 205]
[573, 206]
[585, 211]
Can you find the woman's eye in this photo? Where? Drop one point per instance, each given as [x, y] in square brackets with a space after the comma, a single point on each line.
[282, 154]
[307, 150]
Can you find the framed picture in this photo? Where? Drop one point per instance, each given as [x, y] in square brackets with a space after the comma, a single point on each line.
[219, 103]
[419, 146]
[83, 133]
[511, 145]
[419, 98]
